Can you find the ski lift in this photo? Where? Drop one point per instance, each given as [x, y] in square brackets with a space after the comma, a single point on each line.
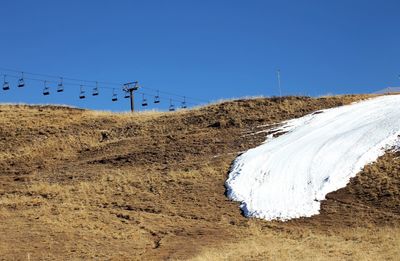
[82, 93]
[6, 85]
[46, 90]
[114, 96]
[171, 106]
[95, 90]
[157, 97]
[144, 101]
[184, 106]
[60, 87]
[127, 95]
[21, 82]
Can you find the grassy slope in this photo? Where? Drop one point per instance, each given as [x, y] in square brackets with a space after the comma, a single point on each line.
[78, 184]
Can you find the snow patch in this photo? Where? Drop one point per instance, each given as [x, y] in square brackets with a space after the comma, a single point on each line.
[287, 177]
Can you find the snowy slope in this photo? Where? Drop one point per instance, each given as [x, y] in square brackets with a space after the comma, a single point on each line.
[287, 176]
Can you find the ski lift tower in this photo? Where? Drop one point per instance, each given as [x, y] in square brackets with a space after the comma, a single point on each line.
[130, 88]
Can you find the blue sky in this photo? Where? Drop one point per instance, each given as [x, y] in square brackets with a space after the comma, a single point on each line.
[203, 49]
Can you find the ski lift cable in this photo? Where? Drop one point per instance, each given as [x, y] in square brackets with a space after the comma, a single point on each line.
[54, 82]
[92, 81]
[171, 99]
[66, 84]
[46, 75]
[176, 95]
[92, 86]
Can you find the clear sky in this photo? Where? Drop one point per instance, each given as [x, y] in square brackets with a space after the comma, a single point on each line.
[208, 49]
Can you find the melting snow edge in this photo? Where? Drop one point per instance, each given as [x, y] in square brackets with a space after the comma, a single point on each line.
[287, 177]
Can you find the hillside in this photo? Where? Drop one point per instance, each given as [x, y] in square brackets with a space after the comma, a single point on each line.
[79, 184]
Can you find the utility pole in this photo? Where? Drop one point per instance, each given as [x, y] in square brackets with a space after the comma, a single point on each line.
[130, 88]
[278, 74]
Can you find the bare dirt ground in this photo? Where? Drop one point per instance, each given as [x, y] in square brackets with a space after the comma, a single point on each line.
[79, 185]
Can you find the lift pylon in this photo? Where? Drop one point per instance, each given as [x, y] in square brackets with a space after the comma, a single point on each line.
[130, 88]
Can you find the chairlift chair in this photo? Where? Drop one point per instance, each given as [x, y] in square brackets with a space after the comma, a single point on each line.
[144, 101]
[127, 95]
[60, 87]
[171, 106]
[184, 106]
[125, 87]
[6, 85]
[82, 93]
[46, 90]
[21, 82]
[114, 96]
[95, 91]
[157, 98]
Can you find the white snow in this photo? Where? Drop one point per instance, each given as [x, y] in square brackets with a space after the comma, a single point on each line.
[287, 177]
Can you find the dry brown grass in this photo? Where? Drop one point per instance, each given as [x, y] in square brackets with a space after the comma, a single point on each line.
[77, 184]
[349, 244]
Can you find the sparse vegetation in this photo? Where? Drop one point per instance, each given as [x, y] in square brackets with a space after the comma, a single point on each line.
[78, 184]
